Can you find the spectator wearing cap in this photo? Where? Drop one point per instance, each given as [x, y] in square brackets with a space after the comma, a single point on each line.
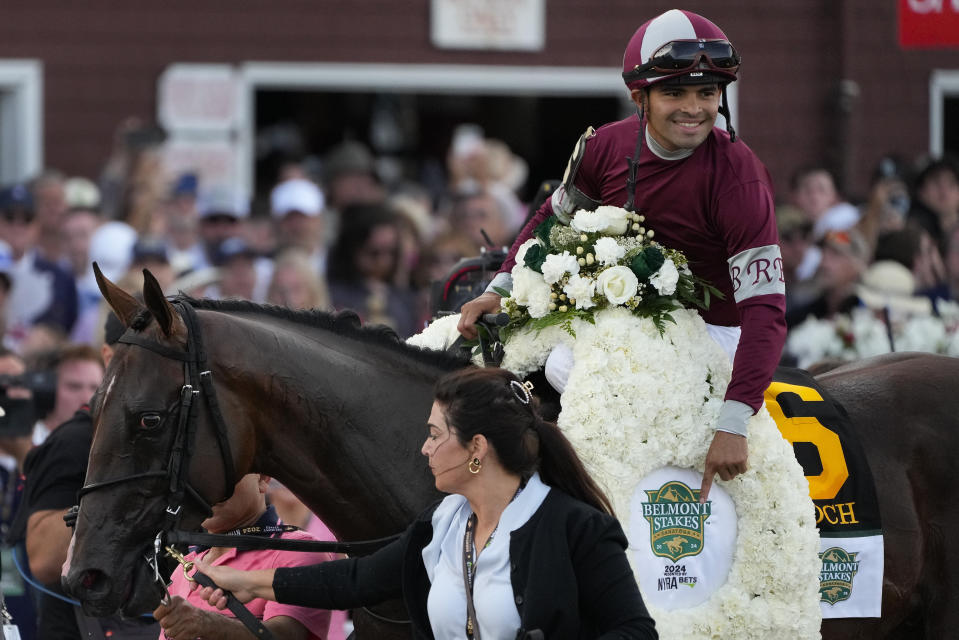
[43, 292]
[243, 274]
[150, 252]
[297, 206]
[845, 257]
[349, 175]
[935, 204]
[222, 211]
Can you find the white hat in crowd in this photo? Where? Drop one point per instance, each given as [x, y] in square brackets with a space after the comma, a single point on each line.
[888, 284]
[296, 195]
[111, 247]
[222, 200]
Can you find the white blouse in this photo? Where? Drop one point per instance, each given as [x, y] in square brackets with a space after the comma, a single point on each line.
[496, 613]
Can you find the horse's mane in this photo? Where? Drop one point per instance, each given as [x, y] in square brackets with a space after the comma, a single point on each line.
[343, 323]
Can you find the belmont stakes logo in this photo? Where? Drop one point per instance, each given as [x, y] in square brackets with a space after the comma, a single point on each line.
[675, 520]
[835, 579]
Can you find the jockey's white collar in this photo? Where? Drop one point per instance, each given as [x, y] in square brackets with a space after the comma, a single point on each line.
[664, 153]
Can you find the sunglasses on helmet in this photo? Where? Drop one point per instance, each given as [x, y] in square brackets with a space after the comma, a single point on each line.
[680, 55]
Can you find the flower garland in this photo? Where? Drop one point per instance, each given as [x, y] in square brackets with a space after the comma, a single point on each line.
[638, 400]
[863, 334]
[604, 259]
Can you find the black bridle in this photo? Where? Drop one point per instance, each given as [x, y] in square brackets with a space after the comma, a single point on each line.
[196, 369]
[197, 383]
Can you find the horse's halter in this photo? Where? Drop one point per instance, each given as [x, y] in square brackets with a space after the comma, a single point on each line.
[195, 371]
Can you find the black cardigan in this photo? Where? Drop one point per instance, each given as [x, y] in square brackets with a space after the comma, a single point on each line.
[570, 576]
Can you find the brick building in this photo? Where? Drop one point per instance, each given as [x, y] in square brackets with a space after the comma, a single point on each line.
[822, 80]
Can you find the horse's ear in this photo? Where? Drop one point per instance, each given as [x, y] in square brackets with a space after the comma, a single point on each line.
[157, 303]
[123, 304]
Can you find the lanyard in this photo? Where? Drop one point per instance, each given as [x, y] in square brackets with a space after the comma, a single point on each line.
[469, 569]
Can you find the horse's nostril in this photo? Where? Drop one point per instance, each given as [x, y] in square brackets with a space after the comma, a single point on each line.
[93, 580]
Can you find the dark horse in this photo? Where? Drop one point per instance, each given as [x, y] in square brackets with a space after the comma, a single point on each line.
[336, 412]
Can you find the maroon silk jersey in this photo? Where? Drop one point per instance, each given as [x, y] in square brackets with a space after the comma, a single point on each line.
[716, 206]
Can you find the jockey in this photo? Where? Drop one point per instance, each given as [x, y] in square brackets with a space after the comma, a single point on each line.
[701, 191]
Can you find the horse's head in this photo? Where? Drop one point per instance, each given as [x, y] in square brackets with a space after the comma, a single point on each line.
[154, 463]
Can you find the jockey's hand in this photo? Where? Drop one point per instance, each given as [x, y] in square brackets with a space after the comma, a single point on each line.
[727, 456]
[473, 310]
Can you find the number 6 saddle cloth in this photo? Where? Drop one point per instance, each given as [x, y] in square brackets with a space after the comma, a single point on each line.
[842, 489]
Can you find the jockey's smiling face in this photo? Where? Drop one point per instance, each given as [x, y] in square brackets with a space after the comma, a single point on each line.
[680, 116]
[448, 458]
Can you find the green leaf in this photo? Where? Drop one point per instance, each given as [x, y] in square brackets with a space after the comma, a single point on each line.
[503, 293]
[542, 230]
[647, 262]
[535, 257]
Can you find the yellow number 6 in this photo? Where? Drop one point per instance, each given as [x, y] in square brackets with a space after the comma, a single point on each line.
[826, 485]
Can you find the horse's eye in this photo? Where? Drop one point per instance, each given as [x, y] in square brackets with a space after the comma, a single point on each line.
[150, 421]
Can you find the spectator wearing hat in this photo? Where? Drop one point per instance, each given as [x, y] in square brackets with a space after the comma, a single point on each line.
[150, 252]
[845, 257]
[222, 211]
[349, 175]
[243, 275]
[935, 204]
[889, 288]
[297, 206]
[42, 292]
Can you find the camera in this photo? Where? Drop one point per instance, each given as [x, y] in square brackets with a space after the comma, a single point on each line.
[24, 399]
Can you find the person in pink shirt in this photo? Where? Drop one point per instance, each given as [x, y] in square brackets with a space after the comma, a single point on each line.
[188, 616]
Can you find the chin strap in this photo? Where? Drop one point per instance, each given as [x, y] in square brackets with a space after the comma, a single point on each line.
[724, 109]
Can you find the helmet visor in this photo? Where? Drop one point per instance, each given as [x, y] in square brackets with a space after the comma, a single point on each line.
[682, 55]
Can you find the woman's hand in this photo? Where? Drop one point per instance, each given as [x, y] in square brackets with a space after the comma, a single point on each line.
[244, 585]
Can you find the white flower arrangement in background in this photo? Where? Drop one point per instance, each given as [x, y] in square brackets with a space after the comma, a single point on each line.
[604, 259]
[863, 334]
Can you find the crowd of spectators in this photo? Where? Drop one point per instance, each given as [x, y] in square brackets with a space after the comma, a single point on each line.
[856, 269]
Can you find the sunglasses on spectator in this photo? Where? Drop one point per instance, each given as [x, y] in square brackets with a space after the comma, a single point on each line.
[680, 55]
[17, 215]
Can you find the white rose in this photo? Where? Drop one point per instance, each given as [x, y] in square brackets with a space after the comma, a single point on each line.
[618, 284]
[666, 278]
[581, 290]
[523, 248]
[558, 265]
[608, 251]
[606, 220]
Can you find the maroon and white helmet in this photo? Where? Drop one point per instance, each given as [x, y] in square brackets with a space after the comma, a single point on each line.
[679, 47]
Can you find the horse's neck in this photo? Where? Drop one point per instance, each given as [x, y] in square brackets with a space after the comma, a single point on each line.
[340, 423]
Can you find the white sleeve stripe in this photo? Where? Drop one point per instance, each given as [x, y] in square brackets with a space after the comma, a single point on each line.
[757, 272]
